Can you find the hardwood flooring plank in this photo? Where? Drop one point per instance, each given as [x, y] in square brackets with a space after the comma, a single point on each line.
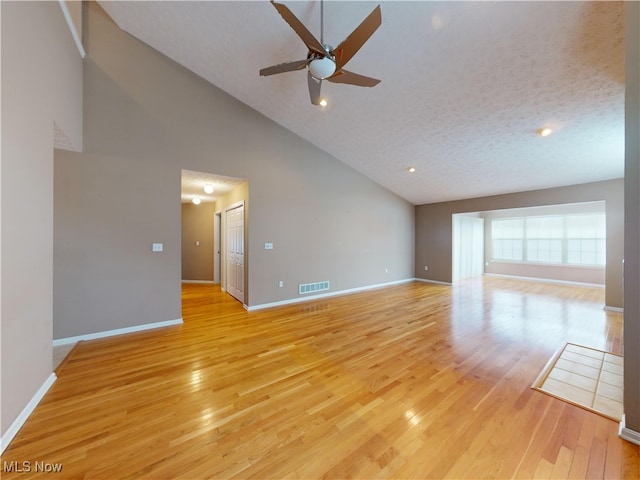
[410, 381]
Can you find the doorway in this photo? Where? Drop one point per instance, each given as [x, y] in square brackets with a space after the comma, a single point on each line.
[206, 197]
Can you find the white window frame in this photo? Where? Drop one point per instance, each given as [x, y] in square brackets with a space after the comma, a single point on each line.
[553, 236]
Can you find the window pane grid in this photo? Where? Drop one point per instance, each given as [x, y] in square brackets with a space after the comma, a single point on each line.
[569, 239]
[508, 249]
[545, 227]
[544, 250]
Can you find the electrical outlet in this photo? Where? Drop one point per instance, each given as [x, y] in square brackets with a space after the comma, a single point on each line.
[426, 267]
[281, 284]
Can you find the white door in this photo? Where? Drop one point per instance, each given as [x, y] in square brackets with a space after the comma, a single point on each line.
[234, 251]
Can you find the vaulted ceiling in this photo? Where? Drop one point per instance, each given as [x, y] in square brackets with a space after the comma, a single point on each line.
[464, 86]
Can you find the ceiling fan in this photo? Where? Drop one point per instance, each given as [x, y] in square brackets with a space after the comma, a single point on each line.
[324, 62]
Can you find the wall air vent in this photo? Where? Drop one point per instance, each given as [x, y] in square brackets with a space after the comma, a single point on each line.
[312, 287]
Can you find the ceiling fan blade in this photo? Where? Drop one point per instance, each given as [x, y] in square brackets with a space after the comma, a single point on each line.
[314, 88]
[344, 76]
[285, 67]
[348, 48]
[305, 35]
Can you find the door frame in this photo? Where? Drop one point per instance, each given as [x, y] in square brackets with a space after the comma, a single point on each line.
[217, 247]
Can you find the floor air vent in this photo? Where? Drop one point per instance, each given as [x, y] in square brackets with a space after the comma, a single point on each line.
[312, 287]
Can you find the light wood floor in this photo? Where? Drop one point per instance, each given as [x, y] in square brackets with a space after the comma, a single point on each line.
[411, 381]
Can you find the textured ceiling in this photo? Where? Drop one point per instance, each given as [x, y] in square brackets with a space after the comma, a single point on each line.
[465, 86]
[193, 186]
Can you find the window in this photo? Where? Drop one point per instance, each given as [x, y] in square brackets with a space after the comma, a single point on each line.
[544, 239]
[586, 240]
[506, 236]
[578, 239]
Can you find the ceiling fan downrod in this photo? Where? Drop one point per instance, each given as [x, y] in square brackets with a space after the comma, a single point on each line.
[322, 23]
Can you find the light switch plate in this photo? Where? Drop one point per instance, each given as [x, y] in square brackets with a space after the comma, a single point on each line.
[157, 247]
[268, 246]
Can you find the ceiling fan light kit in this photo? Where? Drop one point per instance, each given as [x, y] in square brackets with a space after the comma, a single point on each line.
[324, 62]
[322, 68]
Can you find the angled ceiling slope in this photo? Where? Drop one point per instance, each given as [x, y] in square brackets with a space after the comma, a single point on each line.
[465, 86]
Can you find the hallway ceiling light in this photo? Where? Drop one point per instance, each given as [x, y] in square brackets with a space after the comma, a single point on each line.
[544, 132]
[208, 188]
[196, 200]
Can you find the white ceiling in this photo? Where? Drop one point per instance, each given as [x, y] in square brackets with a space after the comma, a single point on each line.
[193, 184]
[465, 86]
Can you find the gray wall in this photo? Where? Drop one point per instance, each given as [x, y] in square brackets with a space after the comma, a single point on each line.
[632, 220]
[433, 227]
[41, 83]
[197, 241]
[108, 213]
[146, 118]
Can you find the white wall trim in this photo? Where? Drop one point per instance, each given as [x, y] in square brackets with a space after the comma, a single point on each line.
[628, 434]
[17, 424]
[72, 27]
[546, 280]
[118, 331]
[324, 295]
[234, 206]
[614, 309]
[199, 281]
[426, 280]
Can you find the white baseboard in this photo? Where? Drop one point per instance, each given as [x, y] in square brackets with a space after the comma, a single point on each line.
[426, 280]
[324, 295]
[17, 424]
[628, 434]
[546, 280]
[614, 309]
[200, 281]
[118, 331]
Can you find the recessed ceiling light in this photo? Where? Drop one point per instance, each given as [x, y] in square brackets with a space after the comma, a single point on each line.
[437, 22]
[196, 201]
[208, 188]
[544, 132]
[323, 102]
[412, 169]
